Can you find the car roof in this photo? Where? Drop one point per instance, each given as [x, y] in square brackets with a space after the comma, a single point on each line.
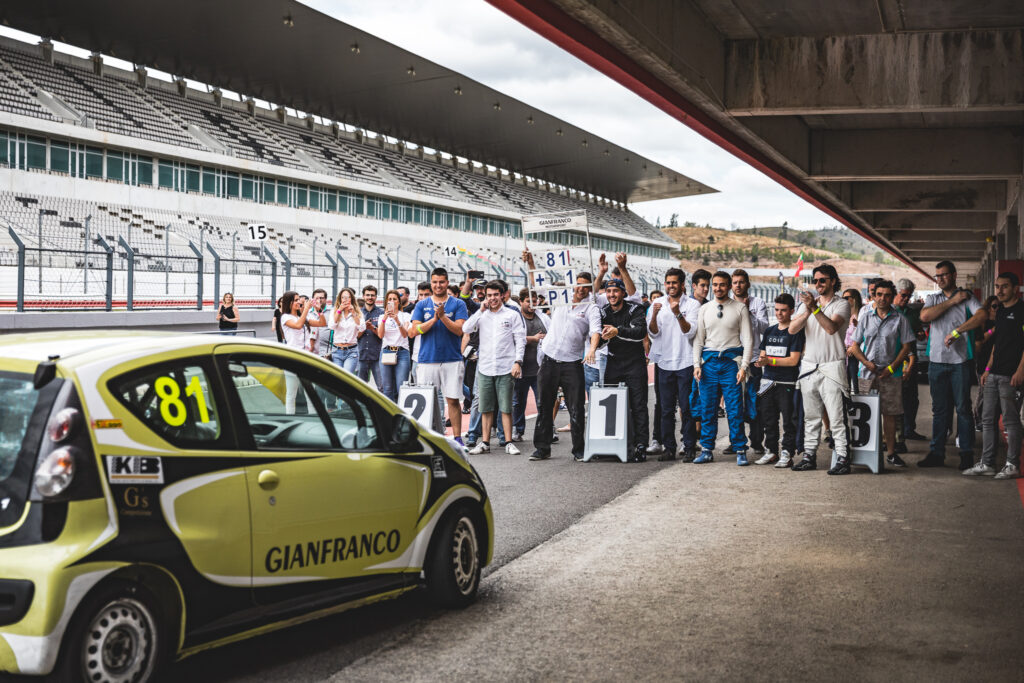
[75, 348]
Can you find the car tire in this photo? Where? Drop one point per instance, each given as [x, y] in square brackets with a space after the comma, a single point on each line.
[454, 563]
[117, 634]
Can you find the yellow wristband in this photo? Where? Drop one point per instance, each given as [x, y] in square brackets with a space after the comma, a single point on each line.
[419, 329]
[956, 335]
[816, 311]
[773, 361]
[889, 368]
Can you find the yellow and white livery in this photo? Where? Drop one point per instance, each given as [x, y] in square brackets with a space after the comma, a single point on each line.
[160, 495]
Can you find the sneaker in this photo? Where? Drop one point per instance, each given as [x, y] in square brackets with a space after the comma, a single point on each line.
[539, 455]
[554, 439]
[689, 454]
[933, 459]
[809, 462]
[901, 448]
[842, 466]
[666, 456]
[459, 440]
[741, 459]
[655, 448]
[481, 447]
[979, 470]
[914, 436]
[895, 460]
[785, 460]
[720, 412]
[966, 461]
[1009, 471]
[511, 449]
[640, 453]
[469, 442]
[578, 457]
[830, 442]
[502, 443]
[517, 437]
[705, 456]
[767, 459]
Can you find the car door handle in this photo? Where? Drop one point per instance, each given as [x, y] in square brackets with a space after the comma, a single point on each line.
[268, 480]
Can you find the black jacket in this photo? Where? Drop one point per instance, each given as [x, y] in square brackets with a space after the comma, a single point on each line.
[628, 345]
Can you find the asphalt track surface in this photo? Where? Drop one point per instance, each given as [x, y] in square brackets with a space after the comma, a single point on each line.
[532, 502]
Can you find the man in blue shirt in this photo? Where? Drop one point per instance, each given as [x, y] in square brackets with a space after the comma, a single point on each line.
[369, 342]
[438, 320]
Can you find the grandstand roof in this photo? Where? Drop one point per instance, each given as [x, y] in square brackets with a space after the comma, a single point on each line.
[246, 46]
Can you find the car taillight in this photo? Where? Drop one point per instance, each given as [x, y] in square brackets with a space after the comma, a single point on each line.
[55, 472]
[63, 425]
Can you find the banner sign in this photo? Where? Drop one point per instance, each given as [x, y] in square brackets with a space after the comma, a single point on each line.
[552, 222]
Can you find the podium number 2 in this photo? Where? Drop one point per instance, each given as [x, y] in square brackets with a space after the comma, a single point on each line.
[416, 404]
[609, 404]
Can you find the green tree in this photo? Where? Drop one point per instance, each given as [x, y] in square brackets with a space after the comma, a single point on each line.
[673, 220]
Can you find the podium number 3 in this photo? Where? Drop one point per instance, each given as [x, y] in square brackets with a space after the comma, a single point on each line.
[860, 423]
[609, 404]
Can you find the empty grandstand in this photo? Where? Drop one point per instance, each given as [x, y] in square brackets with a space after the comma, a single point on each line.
[120, 188]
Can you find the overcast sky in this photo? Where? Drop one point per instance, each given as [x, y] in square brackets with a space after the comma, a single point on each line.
[474, 38]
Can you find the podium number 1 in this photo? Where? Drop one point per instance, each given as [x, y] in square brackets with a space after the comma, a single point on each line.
[609, 404]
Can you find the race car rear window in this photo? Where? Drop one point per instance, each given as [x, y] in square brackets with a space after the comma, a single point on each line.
[17, 403]
[175, 401]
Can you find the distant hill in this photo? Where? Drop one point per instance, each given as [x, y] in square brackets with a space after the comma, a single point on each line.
[839, 240]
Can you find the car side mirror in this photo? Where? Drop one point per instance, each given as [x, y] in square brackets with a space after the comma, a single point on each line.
[404, 433]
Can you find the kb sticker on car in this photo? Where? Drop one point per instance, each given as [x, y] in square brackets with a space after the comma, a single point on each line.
[134, 469]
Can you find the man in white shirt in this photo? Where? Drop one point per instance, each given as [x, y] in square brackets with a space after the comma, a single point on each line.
[671, 326]
[721, 356]
[502, 344]
[565, 347]
[758, 310]
[823, 384]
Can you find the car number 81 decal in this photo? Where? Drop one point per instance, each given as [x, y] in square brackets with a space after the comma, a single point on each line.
[172, 408]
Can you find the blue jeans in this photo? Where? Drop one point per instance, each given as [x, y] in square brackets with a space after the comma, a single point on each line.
[675, 387]
[394, 376]
[366, 367]
[348, 358]
[520, 391]
[718, 378]
[950, 386]
[591, 376]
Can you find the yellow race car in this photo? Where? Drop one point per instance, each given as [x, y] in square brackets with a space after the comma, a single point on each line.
[160, 495]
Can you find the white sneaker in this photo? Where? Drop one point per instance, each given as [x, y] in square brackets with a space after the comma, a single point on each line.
[480, 447]
[655, 448]
[785, 460]
[767, 459]
[979, 469]
[1009, 471]
[511, 449]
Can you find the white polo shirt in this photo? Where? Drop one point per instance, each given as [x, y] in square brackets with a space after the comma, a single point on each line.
[571, 327]
[502, 339]
[671, 348]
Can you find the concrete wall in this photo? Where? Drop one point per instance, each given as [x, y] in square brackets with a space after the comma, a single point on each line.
[154, 321]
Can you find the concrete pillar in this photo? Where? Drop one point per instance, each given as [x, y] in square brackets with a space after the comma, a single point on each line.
[1001, 246]
[1012, 237]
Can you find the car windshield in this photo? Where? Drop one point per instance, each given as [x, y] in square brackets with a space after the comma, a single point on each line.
[18, 400]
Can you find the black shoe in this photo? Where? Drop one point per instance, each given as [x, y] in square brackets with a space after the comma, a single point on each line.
[900, 448]
[540, 455]
[966, 461]
[933, 459]
[830, 442]
[729, 450]
[576, 456]
[640, 453]
[914, 436]
[554, 438]
[721, 412]
[689, 454]
[842, 466]
[666, 456]
[809, 462]
[895, 460]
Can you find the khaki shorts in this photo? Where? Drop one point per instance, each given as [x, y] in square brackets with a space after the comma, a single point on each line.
[890, 391]
[494, 392]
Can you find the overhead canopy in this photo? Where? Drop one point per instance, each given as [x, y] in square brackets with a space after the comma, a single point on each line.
[904, 119]
[317, 64]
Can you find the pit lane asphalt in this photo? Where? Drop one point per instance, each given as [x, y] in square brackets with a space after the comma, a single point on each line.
[532, 501]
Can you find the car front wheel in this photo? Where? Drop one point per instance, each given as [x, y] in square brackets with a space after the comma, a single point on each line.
[453, 567]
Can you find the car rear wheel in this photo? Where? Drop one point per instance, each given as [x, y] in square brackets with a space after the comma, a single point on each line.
[116, 636]
[453, 566]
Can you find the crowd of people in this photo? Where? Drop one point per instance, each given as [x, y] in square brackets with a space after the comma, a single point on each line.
[782, 388]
